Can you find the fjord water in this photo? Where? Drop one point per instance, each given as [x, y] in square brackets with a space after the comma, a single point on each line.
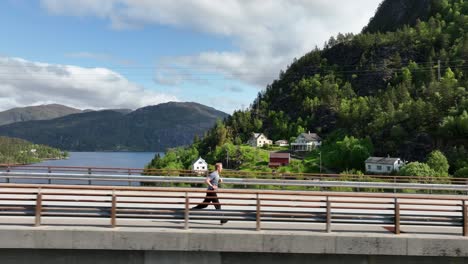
[137, 160]
[134, 160]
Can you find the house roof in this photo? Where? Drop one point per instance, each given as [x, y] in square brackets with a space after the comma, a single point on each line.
[279, 155]
[382, 160]
[310, 136]
[281, 141]
[199, 159]
[257, 135]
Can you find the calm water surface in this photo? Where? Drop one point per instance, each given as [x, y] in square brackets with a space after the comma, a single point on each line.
[137, 160]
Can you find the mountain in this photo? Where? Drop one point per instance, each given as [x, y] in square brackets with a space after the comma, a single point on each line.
[394, 14]
[402, 84]
[151, 128]
[40, 112]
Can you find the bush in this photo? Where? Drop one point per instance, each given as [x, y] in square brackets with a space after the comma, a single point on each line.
[438, 162]
[461, 173]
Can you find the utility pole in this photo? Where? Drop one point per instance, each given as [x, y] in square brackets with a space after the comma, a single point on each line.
[227, 159]
[438, 70]
[320, 153]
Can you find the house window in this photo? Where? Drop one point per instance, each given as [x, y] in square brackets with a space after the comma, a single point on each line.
[389, 168]
[203, 167]
[368, 167]
[379, 167]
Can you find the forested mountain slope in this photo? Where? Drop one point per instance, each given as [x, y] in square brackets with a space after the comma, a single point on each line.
[18, 151]
[382, 84]
[151, 128]
[40, 112]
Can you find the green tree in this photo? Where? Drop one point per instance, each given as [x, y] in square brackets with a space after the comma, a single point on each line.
[348, 153]
[438, 162]
[417, 169]
[461, 173]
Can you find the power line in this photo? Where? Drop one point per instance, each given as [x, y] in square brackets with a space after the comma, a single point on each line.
[197, 76]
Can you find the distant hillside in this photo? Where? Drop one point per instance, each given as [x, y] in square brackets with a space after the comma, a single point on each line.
[40, 112]
[151, 128]
[18, 151]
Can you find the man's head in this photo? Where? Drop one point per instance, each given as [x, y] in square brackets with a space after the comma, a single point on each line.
[219, 166]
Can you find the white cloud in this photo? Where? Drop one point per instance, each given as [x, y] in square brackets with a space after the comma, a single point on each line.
[267, 33]
[26, 83]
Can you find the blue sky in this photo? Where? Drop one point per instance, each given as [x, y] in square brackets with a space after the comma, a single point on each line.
[128, 54]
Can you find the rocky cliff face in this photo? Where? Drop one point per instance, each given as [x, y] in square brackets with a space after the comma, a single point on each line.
[393, 14]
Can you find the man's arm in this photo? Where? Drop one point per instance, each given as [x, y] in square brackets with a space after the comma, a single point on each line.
[208, 182]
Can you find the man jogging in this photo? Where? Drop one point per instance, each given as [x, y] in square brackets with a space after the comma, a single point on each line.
[212, 180]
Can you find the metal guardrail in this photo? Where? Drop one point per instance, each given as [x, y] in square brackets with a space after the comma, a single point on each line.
[239, 174]
[131, 180]
[117, 206]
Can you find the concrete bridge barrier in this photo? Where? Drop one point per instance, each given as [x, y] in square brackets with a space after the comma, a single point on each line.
[57, 245]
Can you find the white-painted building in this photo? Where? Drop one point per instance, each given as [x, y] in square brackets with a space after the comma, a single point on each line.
[200, 165]
[306, 142]
[282, 143]
[258, 140]
[383, 165]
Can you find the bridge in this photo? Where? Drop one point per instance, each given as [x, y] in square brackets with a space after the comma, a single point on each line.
[58, 223]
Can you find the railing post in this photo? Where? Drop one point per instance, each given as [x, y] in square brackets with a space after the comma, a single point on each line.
[394, 184]
[114, 210]
[49, 170]
[89, 171]
[328, 215]
[397, 217]
[187, 211]
[8, 169]
[465, 218]
[37, 221]
[258, 216]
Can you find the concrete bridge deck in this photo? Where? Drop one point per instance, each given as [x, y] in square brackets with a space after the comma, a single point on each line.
[211, 245]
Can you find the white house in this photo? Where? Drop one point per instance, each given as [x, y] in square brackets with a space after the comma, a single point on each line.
[306, 142]
[258, 140]
[383, 165]
[200, 165]
[282, 143]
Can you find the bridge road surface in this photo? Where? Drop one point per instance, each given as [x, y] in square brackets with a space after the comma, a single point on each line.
[164, 224]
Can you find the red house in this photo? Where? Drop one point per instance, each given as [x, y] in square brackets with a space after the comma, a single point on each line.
[279, 159]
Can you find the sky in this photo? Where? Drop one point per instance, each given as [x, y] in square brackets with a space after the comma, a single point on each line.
[108, 54]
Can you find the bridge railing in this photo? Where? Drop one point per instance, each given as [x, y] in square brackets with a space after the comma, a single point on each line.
[238, 174]
[260, 210]
[239, 183]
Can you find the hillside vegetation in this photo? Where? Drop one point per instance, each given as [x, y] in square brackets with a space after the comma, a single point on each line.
[378, 93]
[18, 151]
[151, 128]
